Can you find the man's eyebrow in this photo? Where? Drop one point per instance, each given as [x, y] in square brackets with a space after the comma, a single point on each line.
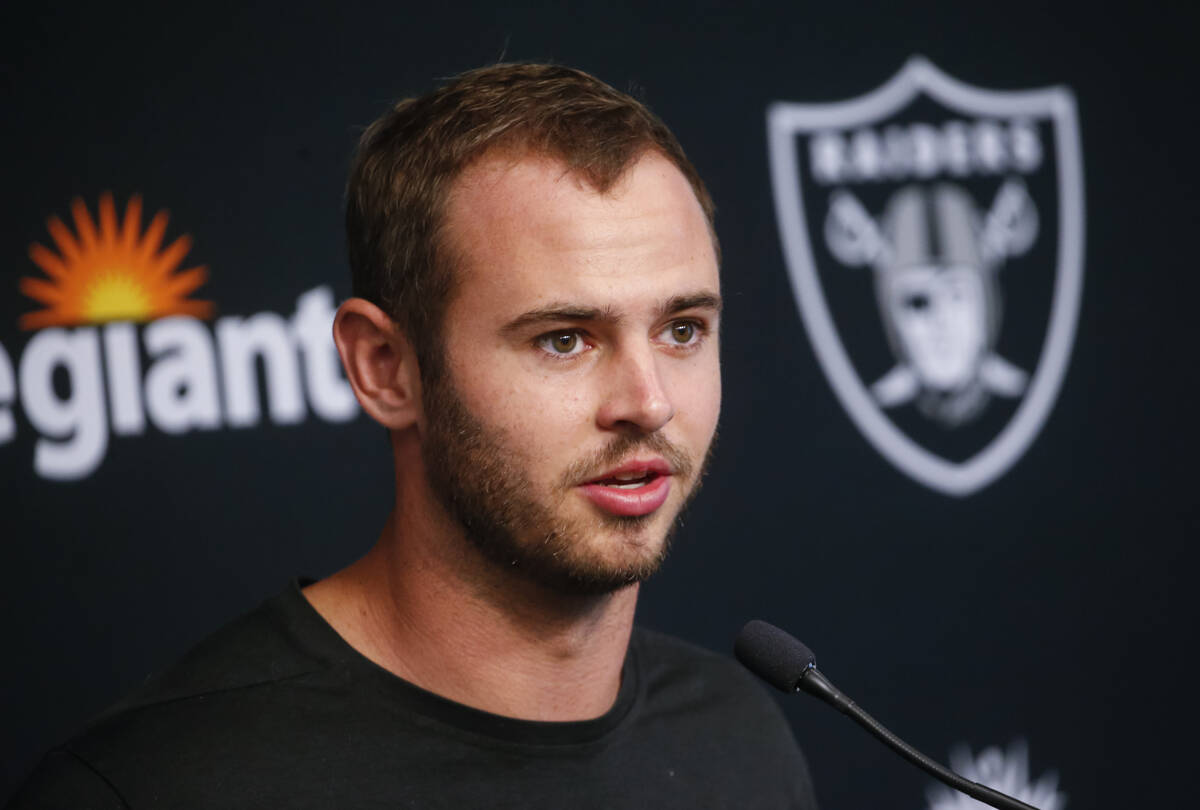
[558, 312]
[698, 300]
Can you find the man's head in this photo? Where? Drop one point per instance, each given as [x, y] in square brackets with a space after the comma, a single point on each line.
[553, 273]
[407, 162]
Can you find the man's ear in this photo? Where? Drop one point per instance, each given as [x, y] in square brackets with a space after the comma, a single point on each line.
[380, 363]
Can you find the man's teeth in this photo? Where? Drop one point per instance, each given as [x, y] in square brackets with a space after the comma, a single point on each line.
[630, 480]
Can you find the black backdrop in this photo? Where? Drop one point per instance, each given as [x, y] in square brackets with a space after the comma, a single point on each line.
[1053, 605]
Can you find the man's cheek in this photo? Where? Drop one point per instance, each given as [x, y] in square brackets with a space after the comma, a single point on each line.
[697, 396]
[562, 404]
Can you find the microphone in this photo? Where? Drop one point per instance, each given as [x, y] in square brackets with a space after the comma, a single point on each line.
[788, 665]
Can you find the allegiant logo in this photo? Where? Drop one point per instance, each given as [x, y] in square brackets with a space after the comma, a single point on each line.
[112, 296]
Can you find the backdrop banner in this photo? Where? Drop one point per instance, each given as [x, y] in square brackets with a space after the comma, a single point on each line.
[956, 449]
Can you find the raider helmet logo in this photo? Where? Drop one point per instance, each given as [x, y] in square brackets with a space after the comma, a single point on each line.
[934, 237]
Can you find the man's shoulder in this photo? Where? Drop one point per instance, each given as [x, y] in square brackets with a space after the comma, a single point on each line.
[675, 650]
[269, 644]
[683, 675]
[732, 723]
[211, 700]
[665, 655]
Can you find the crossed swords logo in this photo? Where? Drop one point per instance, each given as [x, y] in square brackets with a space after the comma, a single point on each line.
[936, 258]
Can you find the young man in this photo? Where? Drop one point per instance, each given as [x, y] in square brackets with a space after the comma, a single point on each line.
[536, 324]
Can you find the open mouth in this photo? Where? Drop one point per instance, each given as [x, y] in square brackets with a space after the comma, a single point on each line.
[633, 489]
[630, 480]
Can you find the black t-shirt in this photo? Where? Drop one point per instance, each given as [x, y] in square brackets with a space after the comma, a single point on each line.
[278, 711]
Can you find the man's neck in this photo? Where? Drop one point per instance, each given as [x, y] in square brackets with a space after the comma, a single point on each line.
[426, 606]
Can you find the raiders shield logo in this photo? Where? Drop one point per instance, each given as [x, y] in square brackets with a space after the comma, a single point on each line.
[933, 233]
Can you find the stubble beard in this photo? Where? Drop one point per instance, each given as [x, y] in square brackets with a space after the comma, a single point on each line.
[481, 482]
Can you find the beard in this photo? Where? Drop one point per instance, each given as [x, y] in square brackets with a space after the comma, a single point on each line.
[479, 478]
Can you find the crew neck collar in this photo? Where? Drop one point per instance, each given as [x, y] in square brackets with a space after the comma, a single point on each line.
[311, 626]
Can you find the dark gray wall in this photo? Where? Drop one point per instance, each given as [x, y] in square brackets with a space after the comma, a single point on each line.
[1054, 605]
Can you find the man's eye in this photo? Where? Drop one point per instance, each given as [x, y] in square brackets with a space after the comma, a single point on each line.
[683, 333]
[562, 344]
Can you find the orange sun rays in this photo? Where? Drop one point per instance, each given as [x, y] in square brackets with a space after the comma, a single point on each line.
[109, 271]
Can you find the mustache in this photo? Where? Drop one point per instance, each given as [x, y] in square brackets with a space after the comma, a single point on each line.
[586, 469]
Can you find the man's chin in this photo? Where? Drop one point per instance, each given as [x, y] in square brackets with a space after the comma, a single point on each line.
[628, 551]
[593, 578]
[593, 557]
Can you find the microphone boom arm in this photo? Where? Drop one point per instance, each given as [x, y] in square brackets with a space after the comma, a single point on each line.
[817, 684]
[784, 662]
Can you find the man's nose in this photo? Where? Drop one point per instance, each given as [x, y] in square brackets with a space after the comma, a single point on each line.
[634, 396]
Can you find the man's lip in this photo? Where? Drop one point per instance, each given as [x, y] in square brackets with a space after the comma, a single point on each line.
[633, 502]
[657, 466]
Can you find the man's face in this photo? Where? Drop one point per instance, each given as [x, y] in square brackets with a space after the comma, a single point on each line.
[581, 382]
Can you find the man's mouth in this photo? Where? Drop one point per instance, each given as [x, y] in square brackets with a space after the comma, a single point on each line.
[627, 480]
[634, 488]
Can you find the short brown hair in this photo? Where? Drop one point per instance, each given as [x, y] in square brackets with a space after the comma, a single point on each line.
[407, 160]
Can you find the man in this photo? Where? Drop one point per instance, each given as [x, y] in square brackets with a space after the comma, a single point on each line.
[536, 324]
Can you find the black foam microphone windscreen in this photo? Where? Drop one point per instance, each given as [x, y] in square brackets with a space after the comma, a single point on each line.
[773, 655]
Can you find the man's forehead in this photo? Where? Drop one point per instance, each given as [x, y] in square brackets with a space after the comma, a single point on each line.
[537, 183]
[524, 227]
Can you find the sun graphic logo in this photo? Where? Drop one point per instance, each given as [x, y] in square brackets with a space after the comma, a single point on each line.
[119, 328]
[1005, 771]
[112, 272]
